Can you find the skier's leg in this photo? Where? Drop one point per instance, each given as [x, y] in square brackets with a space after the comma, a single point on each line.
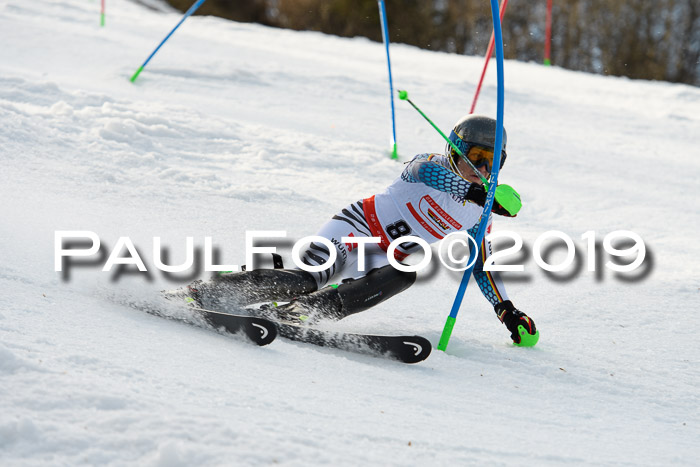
[266, 285]
[349, 222]
[361, 290]
[240, 289]
[350, 297]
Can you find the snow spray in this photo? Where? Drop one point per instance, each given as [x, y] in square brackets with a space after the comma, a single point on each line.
[192, 9]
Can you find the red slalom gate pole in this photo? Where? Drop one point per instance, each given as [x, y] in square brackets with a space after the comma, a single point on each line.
[488, 57]
[548, 34]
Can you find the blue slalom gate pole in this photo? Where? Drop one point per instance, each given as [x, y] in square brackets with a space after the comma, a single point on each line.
[192, 9]
[498, 147]
[385, 37]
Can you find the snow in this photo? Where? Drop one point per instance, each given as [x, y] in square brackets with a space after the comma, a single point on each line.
[236, 127]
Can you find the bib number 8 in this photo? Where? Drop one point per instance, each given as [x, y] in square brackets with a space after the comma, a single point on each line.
[400, 229]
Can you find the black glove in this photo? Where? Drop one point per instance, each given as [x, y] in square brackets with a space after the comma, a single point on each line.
[477, 194]
[513, 318]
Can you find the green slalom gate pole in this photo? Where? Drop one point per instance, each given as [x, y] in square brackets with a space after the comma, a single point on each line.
[498, 146]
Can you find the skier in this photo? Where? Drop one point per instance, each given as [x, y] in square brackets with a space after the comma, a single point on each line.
[434, 196]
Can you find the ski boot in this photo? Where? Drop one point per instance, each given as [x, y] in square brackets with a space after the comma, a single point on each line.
[352, 296]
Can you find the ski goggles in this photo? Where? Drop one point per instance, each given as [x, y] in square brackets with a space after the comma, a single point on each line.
[478, 155]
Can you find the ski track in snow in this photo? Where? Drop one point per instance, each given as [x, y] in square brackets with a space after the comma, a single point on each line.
[236, 127]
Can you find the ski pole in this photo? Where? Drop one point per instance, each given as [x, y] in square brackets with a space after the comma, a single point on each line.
[385, 36]
[489, 52]
[452, 318]
[403, 95]
[192, 9]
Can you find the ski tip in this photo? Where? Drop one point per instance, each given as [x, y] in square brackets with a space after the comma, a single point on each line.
[415, 349]
[261, 331]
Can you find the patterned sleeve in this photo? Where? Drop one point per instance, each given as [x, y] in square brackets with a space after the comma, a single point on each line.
[489, 282]
[434, 171]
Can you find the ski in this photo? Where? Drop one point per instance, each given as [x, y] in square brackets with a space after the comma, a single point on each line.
[407, 349]
[263, 329]
[260, 331]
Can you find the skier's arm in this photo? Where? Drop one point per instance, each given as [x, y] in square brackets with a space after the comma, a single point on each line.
[431, 170]
[427, 169]
[522, 327]
[489, 282]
